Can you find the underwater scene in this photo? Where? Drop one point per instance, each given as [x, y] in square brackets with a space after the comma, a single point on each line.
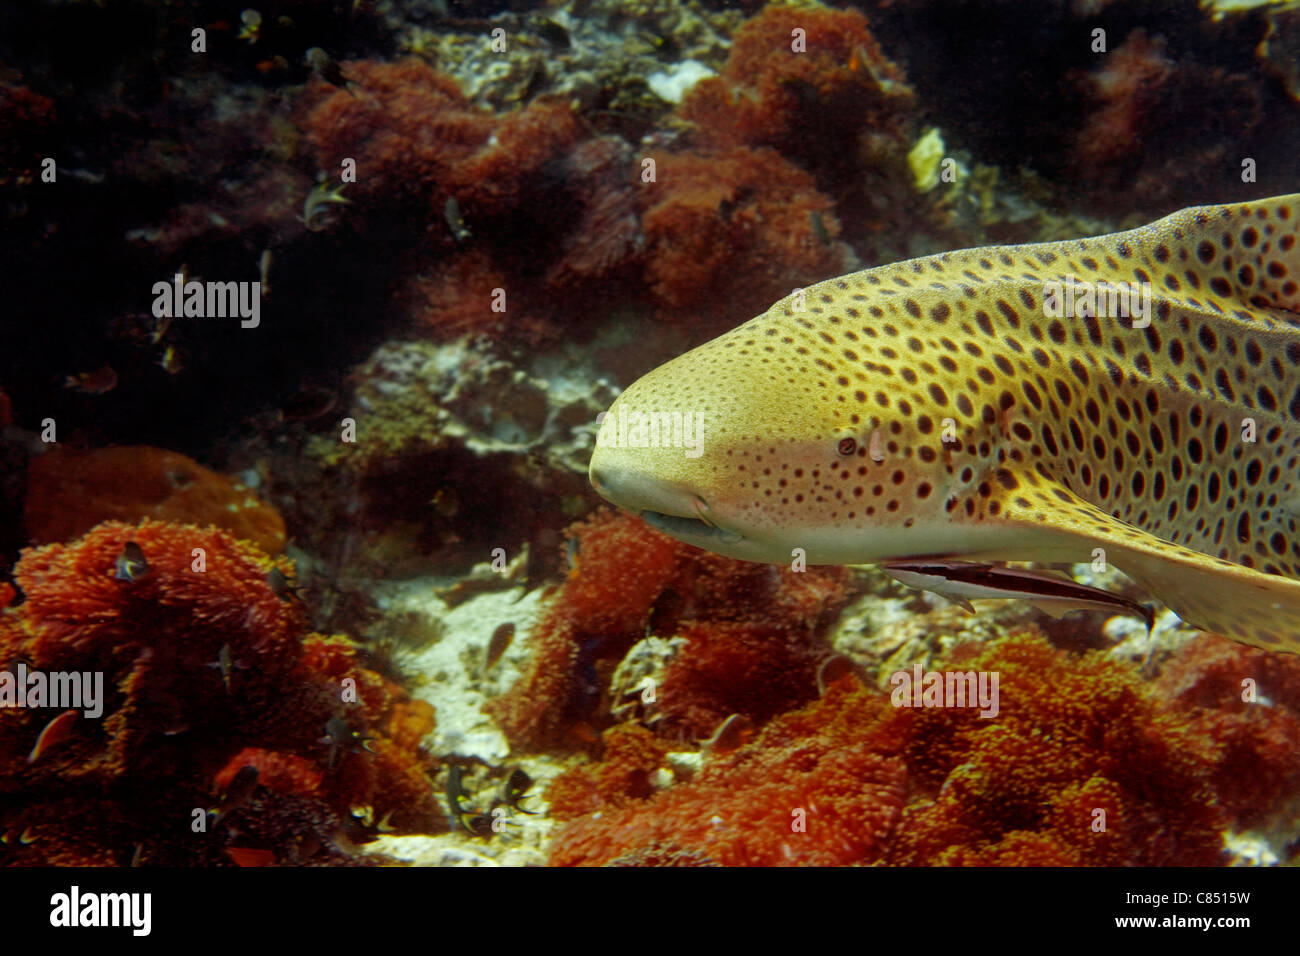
[649, 433]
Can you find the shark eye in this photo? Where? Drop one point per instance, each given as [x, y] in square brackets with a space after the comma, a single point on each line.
[847, 446]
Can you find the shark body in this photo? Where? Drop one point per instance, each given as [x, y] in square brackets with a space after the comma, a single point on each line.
[1133, 397]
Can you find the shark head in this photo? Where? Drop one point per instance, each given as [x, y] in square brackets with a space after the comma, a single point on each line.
[770, 439]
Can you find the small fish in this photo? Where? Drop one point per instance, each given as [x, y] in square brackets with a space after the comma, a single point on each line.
[516, 788]
[340, 736]
[226, 663]
[279, 583]
[131, 564]
[237, 793]
[327, 68]
[318, 200]
[170, 361]
[92, 383]
[455, 792]
[731, 734]
[251, 27]
[964, 581]
[500, 640]
[55, 733]
[834, 668]
[455, 222]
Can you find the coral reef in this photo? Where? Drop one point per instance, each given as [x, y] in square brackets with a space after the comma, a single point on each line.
[413, 398]
[422, 150]
[836, 86]
[629, 757]
[622, 568]
[531, 225]
[1074, 735]
[751, 633]
[600, 55]
[70, 491]
[207, 668]
[1247, 702]
[788, 799]
[726, 234]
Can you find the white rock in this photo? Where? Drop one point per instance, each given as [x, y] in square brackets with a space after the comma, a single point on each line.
[674, 84]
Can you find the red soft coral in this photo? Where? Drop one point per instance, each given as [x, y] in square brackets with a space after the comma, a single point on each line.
[741, 227]
[786, 799]
[206, 666]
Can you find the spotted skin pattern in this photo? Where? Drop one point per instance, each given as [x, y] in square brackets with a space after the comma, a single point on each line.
[936, 408]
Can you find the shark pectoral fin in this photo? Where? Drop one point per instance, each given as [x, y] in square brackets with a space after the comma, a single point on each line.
[1205, 591]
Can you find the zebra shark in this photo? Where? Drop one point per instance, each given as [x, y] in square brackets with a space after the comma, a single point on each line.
[1132, 398]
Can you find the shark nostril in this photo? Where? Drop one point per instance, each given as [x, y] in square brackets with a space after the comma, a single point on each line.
[597, 480]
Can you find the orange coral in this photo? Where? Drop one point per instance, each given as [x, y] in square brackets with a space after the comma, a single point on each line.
[392, 776]
[419, 139]
[796, 101]
[727, 668]
[1082, 765]
[411, 131]
[199, 582]
[784, 799]
[276, 771]
[422, 144]
[1146, 109]
[205, 666]
[71, 491]
[1247, 703]
[630, 755]
[623, 566]
[1072, 736]
[740, 228]
[629, 575]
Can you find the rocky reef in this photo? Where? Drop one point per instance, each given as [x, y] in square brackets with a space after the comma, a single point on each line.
[350, 594]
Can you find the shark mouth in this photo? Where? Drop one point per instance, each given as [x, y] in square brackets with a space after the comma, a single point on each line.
[688, 528]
